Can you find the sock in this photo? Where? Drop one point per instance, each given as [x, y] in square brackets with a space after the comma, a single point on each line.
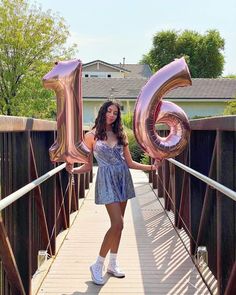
[100, 259]
[113, 257]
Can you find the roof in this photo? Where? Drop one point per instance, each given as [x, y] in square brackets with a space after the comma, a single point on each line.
[115, 87]
[129, 88]
[138, 70]
[117, 67]
[222, 88]
[131, 70]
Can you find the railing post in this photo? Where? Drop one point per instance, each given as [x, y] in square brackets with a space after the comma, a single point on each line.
[201, 150]
[91, 175]
[152, 176]
[22, 209]
[87, 177]
[226, 210]
[166, 183]
[82, 186]
[160, 188]
[77, 187]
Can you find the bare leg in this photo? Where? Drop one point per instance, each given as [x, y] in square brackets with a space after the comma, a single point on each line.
[115, 244]
[123, 207]
[111, 240]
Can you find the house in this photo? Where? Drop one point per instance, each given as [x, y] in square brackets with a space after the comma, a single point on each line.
[101, 81]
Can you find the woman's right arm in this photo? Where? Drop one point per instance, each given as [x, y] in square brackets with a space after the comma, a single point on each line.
[88, 140]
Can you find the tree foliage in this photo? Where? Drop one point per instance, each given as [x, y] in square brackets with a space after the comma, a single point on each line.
[230, 108]
[127, 120]
[31, 40]
[203, 53]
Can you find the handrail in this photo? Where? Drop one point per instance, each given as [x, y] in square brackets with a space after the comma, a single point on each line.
[225, 190]
[19, 124]
[25, 189]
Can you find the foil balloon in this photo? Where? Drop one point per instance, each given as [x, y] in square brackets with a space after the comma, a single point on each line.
[65, 80]
[150, 109]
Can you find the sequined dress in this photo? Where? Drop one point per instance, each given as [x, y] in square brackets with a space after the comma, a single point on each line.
[114, 182]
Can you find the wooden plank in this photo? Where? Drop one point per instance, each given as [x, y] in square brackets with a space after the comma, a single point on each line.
[207, 227]
[151, 253]
[166, 180]
[12, 123]
[159, 182]
[22, 243]
[60, 201]
[224, 123]
[82, 186]
[39, 202]
[201, 148]
[226, 208]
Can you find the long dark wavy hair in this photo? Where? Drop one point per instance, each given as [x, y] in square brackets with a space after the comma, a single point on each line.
[100, 124]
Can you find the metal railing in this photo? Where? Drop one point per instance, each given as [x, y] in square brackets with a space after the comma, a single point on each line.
[214, 184]
[27, 188]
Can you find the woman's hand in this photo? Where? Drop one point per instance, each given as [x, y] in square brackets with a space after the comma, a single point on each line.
[69, 168]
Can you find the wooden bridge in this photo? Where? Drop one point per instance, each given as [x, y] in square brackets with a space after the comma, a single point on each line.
[178, 239]
[152, 252]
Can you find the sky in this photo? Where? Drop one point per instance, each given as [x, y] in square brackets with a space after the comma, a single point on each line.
[111, 30]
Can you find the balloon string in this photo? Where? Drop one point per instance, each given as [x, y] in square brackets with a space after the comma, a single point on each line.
[179, 216]
[70, 183]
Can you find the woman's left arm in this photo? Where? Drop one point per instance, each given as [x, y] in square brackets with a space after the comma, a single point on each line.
[135, 165]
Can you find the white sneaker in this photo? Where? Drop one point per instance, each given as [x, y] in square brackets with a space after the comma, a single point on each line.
[115, 271]
[96, 273]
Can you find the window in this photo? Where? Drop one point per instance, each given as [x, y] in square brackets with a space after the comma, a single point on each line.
[86, 75]
[109, 76]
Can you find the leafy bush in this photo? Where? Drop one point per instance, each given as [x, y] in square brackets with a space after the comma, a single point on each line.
[127, 120]
[135, 150]
[230, 108]
[145, 159]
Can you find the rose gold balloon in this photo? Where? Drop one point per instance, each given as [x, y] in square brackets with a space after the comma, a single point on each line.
[65, 80]
[150, 109]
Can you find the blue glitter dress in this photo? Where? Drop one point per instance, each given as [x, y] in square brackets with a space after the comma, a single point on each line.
[114, 182]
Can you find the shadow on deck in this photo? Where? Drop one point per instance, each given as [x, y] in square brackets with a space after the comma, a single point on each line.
[151, 252]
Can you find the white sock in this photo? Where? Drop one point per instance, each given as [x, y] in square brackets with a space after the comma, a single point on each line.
[113, 257]
[100, 259]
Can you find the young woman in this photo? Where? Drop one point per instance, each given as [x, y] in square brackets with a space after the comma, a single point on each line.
[114, 185]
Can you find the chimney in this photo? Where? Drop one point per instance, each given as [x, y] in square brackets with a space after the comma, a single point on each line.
[123, 61]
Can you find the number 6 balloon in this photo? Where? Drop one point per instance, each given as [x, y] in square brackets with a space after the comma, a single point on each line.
[150, 109]
[65, 80]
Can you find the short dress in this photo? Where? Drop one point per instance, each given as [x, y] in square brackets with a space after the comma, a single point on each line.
[114, 182]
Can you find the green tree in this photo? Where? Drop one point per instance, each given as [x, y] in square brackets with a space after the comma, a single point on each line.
[203, 53]
[31, 40]
[230, 108]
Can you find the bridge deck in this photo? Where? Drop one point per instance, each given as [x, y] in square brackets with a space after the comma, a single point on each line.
[151, 252]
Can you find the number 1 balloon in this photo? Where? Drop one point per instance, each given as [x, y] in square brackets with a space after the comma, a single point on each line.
[150, 109]
[65, 80]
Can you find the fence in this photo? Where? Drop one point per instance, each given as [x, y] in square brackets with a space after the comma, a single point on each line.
[206, 212]
[33, 221]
